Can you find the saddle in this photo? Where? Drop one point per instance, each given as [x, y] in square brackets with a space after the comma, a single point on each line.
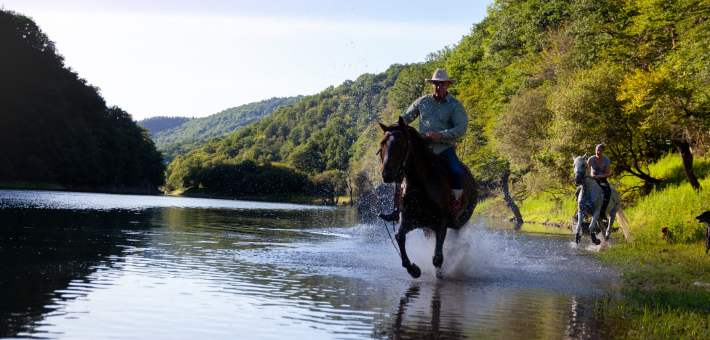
[606, 188]
[606, 197]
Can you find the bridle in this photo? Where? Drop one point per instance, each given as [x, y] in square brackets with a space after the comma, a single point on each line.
[584, 174]
[406, 156]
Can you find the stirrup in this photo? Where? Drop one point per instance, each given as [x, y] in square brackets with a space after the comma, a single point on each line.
[391, 217]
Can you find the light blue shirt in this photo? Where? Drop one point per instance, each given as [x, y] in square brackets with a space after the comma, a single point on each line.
[447, 117]
[598, 169]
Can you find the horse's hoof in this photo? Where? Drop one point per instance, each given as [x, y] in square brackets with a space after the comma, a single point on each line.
[577, 238]
[595, 240]
[414, 271]
[438, 260]
[439, 273]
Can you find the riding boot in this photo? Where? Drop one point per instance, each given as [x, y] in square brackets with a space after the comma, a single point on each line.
[455, 207]
[394, 215]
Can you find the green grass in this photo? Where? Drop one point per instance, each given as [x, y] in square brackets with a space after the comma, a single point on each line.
[673, 204]
[669, 169]
[539, 209]
[675, 207]
[659, 298]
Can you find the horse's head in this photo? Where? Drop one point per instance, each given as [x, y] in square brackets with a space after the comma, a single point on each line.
[394, 149]
[580, 168]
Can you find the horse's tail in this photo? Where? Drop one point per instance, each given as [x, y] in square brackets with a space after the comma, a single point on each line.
[624, 222]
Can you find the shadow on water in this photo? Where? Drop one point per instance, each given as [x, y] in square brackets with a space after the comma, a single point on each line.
[43, 250]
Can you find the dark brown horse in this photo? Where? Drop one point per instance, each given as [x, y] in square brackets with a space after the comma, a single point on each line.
[426, 198]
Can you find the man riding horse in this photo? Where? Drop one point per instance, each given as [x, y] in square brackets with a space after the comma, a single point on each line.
[444, 121]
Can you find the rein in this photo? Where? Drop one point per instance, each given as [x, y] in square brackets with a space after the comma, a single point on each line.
[390, 235]
[406, 158]
[584, 174]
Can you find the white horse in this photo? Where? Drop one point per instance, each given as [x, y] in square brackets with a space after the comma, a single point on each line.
[591, 198]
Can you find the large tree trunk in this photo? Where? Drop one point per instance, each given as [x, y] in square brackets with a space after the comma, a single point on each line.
[509, 200]
[686, 155]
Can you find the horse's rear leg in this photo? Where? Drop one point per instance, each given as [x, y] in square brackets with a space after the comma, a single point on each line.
[612, 215]
[401, 237]
[438, 259]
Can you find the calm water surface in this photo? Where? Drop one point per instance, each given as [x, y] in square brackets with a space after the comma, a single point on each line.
[96, 266]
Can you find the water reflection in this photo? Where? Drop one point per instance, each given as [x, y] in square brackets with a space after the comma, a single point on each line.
[168, 270]
[41, 251]
[447, 310]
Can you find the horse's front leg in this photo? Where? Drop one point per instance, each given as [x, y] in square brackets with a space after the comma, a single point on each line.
[580, 218]
[401, 236]
[593, 223]
[438, 259]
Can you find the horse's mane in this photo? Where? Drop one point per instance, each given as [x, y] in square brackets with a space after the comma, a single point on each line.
[580, 159]
[421, 145]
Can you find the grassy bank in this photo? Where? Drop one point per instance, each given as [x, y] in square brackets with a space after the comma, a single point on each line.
[666, 293]
[666, 280]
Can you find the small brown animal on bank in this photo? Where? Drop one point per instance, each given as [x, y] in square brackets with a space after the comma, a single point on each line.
[705, 219]
[664, 233]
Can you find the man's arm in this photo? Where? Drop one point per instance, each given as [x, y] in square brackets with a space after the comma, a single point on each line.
[460, 121]
[411, 113]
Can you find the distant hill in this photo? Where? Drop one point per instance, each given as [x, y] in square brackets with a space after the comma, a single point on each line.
[221, 123]
[162, 123]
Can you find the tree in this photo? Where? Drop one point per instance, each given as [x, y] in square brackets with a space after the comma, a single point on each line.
[54, 126]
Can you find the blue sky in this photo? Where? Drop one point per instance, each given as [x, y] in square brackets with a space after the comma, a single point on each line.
[196, 58]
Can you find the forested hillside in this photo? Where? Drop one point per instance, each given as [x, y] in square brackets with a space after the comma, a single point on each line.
[314, 135]
[544, 79]
[56, 127]
[540, 80]
[221, 123]
[162, 123]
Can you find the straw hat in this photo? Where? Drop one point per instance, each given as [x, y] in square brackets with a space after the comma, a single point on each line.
[440, 75]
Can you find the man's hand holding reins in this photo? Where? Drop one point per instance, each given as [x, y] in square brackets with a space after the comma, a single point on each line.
[434, 135]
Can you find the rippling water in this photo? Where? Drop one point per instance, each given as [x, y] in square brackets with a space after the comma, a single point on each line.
[90, 266]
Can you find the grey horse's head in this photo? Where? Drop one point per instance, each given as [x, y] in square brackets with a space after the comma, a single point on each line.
[580, 168]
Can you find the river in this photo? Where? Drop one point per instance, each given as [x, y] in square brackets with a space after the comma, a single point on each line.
[97, 266]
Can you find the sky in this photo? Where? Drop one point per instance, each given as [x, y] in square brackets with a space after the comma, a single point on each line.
[197, 58]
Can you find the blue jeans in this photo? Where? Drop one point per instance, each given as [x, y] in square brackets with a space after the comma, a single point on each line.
[454, 168]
